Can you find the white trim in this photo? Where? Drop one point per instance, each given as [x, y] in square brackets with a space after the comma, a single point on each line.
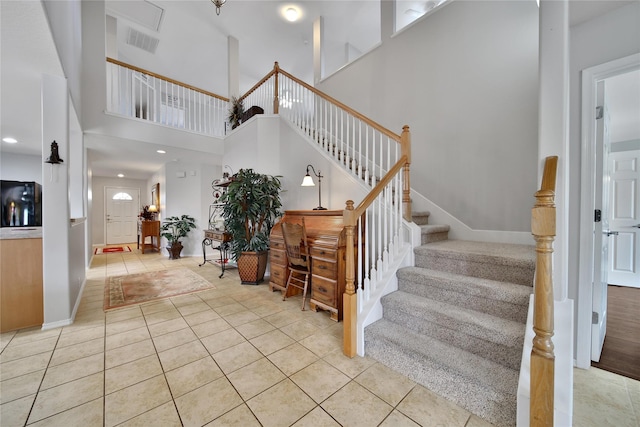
[590, 77]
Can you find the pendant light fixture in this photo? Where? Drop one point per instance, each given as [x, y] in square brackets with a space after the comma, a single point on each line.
[218, 4]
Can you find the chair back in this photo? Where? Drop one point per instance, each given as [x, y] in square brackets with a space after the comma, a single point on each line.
[295, 242]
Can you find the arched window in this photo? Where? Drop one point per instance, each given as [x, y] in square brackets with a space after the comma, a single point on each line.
[122, 196]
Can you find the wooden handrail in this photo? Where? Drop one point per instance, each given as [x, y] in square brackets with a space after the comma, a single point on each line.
[543, 228]
[375, 192]
[260, 83]
[168, 79]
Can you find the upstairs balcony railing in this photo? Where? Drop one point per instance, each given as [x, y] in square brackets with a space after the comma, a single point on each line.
[138, 93]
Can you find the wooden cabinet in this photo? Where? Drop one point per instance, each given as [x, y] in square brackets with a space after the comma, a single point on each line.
[21, 294]
[150, 229]
[326, 241]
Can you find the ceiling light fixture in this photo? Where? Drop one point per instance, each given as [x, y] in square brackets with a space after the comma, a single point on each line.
[10, 140]
[218, 4]
[161, 151]
[120, 175]
[291, 14]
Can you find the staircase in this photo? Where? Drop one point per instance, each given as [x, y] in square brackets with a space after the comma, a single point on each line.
[456, 324]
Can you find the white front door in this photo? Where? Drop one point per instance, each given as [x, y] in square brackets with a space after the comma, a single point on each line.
[601, 228]
[624, 260]
[121, 214]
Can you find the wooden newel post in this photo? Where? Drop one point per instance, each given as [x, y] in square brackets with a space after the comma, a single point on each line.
[349, 300]
[405, 146]
[276, 90]
[543, 228]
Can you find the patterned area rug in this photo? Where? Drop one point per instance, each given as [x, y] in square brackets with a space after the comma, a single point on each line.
[121, 291]
[111, 249]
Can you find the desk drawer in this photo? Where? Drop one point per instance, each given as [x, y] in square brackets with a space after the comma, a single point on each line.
[320, 252]
[326, 269]
[279, 274]
[324, 290]
[278, 257]
[276, 244]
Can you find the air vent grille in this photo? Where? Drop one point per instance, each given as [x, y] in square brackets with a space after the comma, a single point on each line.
[142, 41]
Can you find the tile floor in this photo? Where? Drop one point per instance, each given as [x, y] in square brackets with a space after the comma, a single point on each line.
[236, 355]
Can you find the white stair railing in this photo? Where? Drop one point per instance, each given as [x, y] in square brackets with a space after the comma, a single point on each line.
[137, 93]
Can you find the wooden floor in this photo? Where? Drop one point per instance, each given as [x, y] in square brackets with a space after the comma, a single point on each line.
[621, 351]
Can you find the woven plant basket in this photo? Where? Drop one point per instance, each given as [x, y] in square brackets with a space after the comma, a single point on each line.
[251, 267]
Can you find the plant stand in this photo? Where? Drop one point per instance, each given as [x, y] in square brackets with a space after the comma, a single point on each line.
[252, 266]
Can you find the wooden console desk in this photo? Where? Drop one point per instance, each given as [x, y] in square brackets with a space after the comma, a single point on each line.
[150, 229]
[327, 241]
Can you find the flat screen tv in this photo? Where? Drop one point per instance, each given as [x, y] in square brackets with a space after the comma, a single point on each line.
[21, 203]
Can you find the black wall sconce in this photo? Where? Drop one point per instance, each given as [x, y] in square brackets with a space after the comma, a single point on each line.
[54, 158]
[307, 181]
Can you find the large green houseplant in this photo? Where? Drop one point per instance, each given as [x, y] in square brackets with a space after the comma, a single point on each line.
[250, 207]
[173, 229]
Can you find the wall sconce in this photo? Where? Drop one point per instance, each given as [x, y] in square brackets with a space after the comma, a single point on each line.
[307, 181]
[54, 158]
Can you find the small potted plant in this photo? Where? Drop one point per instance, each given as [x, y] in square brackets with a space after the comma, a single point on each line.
[173, 229]
[250, 207]
[236, 112]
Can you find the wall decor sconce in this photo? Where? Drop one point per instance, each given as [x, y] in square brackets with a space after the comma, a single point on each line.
[307, 181]
[54, 158]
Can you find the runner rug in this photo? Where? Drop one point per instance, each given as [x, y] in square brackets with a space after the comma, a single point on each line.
[111, 249]
[121, 291]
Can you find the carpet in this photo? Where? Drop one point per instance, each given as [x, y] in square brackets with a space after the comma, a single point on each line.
[121, 291]
[112, 249]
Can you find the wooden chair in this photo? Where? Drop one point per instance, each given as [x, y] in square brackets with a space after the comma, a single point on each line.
[295, 242]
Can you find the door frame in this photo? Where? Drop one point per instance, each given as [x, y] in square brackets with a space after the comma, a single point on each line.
[590, 77]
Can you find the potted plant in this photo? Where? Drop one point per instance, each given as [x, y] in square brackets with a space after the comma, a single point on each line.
[236, 112]
[173, 229]
[250, 207]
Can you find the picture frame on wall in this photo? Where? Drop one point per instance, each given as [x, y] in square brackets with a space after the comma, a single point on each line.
[155, 196]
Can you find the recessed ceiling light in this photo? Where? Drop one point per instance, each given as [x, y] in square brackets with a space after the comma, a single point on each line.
[291, 13]
[10, 140]
[161, 152]
[120, 175]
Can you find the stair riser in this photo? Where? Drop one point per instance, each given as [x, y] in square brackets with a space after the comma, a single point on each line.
[488, 404]
[504, 273]
[502, 309]
[433, 237]
[504, 355]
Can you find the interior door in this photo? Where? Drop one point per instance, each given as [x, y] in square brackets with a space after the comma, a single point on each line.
[121, 215]
[601, 228]
[624, 261]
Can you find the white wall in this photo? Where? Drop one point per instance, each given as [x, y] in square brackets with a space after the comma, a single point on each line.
[21, 167]
[465, 80]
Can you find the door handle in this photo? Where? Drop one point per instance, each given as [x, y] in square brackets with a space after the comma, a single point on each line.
[636, 226]
[610, 233]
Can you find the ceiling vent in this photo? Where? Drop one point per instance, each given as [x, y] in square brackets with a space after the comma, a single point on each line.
[142, 40]
[141, 12]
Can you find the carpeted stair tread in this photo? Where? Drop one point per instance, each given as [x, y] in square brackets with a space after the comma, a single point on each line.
[421, 218]
[470, 322]
[495, 261]
[477, 384]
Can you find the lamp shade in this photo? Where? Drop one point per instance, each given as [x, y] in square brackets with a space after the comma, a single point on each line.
[307, 181]
[153, 208]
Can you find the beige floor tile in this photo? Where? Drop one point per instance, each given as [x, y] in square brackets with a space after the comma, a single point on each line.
[74, 370]
[320, 380]
[283, 318]
[321, 343]
[293, 358]
[193, 308]
[201, 317]
[125, 325]
[182, 355]
[164, 415]
[210, 327]
[15, 413]
[603, 402]
[255, 378]
[18, 351]
[238, 417]
[222, 340]
[237, 356]
[66, 396]
[5, 338]
[166, 327]
[88, 414]
[475, 421]
[26, 365]
[228, 309]
[77, 351]
[135, 400]
[192, 376]
[162, 316]
[156, 306]
[131, 373]
[174, 339]
[19, 387]
[129, 353]
[185, 300]
[300, 330]
[77, 337]
[126, 338]
[267, 406]
[372, 410]
[398, 419]
[34, 334]
[385, 383]
[218, 300]
[255, 328]
[317, 418]
[268, 309]
[272, 341]
[427, 408]
[241, 317]
[207, 403]
[351, 366]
